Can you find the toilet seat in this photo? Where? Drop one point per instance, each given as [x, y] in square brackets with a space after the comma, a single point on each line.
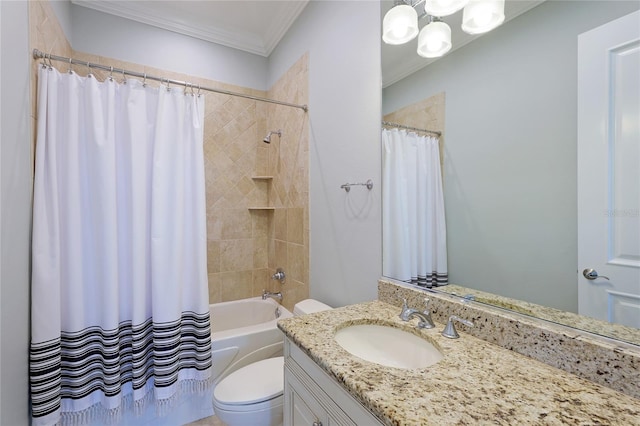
[262, 406]
[254, 394]
[254, 386]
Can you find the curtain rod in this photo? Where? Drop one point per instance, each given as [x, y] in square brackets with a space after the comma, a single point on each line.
[37, 54]
[402, 126]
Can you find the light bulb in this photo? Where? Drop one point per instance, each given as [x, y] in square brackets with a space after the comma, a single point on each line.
[434, 40]
[400, 29]
[400, 24]
[481, 16]
[433, 45]
[443, 7]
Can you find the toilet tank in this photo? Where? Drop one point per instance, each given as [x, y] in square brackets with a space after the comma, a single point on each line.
[309, 306]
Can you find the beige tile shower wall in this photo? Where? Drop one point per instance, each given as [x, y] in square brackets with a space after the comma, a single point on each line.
[46, 35]
[288, 163]
[237, 236]
[426, 114]
[238, 239]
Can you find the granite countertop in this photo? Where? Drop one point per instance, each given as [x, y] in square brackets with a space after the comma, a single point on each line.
[581, 322]
[476, 383]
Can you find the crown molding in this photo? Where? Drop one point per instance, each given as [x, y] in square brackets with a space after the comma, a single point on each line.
[240, 40]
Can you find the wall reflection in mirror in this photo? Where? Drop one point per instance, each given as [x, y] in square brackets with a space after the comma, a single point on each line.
[507, 107]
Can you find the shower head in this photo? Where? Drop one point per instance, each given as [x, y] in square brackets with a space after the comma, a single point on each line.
[267, 138]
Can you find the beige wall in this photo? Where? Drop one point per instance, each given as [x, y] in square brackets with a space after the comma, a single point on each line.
[289, 194]
[426, 114]
[257, 193]
[46, 35]
[244, 245]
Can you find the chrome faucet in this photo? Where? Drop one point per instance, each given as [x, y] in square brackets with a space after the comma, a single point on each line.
[279, 275]
[266, 294]
[450, 330]
[404, 315]
[425, 316]
[425, 319]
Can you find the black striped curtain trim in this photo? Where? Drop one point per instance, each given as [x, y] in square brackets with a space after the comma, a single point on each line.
[434, 279]
[79, 363]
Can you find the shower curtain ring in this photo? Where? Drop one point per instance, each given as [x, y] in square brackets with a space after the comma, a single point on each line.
[88, 70]
[168, 88]
[70, 69]
[111, 74]
[198, 90]
[144, 80]
[124, 77]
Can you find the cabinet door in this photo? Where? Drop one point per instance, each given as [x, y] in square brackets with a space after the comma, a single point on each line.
[302, 414]
[301, 408]
[327, 404]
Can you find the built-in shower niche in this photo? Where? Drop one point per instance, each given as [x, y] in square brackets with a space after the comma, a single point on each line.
[263, 186]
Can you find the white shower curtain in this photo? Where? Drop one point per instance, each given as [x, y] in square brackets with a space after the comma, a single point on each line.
[414, 237]
[120, 315]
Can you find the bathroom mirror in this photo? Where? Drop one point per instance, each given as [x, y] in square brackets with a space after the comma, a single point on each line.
[510, 156]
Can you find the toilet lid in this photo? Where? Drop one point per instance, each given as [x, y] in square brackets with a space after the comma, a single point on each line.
[257, 382]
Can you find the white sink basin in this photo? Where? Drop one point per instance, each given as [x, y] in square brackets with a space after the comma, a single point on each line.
[387, 346]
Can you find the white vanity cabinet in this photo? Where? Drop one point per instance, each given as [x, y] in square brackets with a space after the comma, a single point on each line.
[313, 398]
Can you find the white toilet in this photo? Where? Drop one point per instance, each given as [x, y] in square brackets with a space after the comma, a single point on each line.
[253, 395]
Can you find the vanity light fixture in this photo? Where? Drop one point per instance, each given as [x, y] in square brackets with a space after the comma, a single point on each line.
[400, 24]
[443, 7]
[482, 16]
[434, 39]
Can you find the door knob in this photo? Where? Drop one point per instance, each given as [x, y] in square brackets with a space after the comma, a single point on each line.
[592, 274]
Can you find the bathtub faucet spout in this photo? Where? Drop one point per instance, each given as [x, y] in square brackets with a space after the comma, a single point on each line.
[266, 294]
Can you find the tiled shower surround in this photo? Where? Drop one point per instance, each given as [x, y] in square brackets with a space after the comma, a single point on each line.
[257, 193]
[426, 114]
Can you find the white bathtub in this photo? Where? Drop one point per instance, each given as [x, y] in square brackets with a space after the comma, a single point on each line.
[244, 331]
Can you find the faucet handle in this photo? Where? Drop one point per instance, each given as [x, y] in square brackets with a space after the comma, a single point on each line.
[450, 330]
[279, 275]
[426, 304]
[404, 314]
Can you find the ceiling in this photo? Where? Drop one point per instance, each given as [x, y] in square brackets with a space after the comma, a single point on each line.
[254, 26]
[257, 26]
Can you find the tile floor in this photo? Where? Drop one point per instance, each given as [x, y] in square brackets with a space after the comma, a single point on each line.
[207, 421]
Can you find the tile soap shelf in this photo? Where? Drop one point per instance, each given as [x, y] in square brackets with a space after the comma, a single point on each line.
[262, 208]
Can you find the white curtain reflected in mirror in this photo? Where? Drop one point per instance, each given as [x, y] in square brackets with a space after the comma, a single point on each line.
[414, 228]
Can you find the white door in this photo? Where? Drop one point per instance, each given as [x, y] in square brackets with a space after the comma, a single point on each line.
[609, 171]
